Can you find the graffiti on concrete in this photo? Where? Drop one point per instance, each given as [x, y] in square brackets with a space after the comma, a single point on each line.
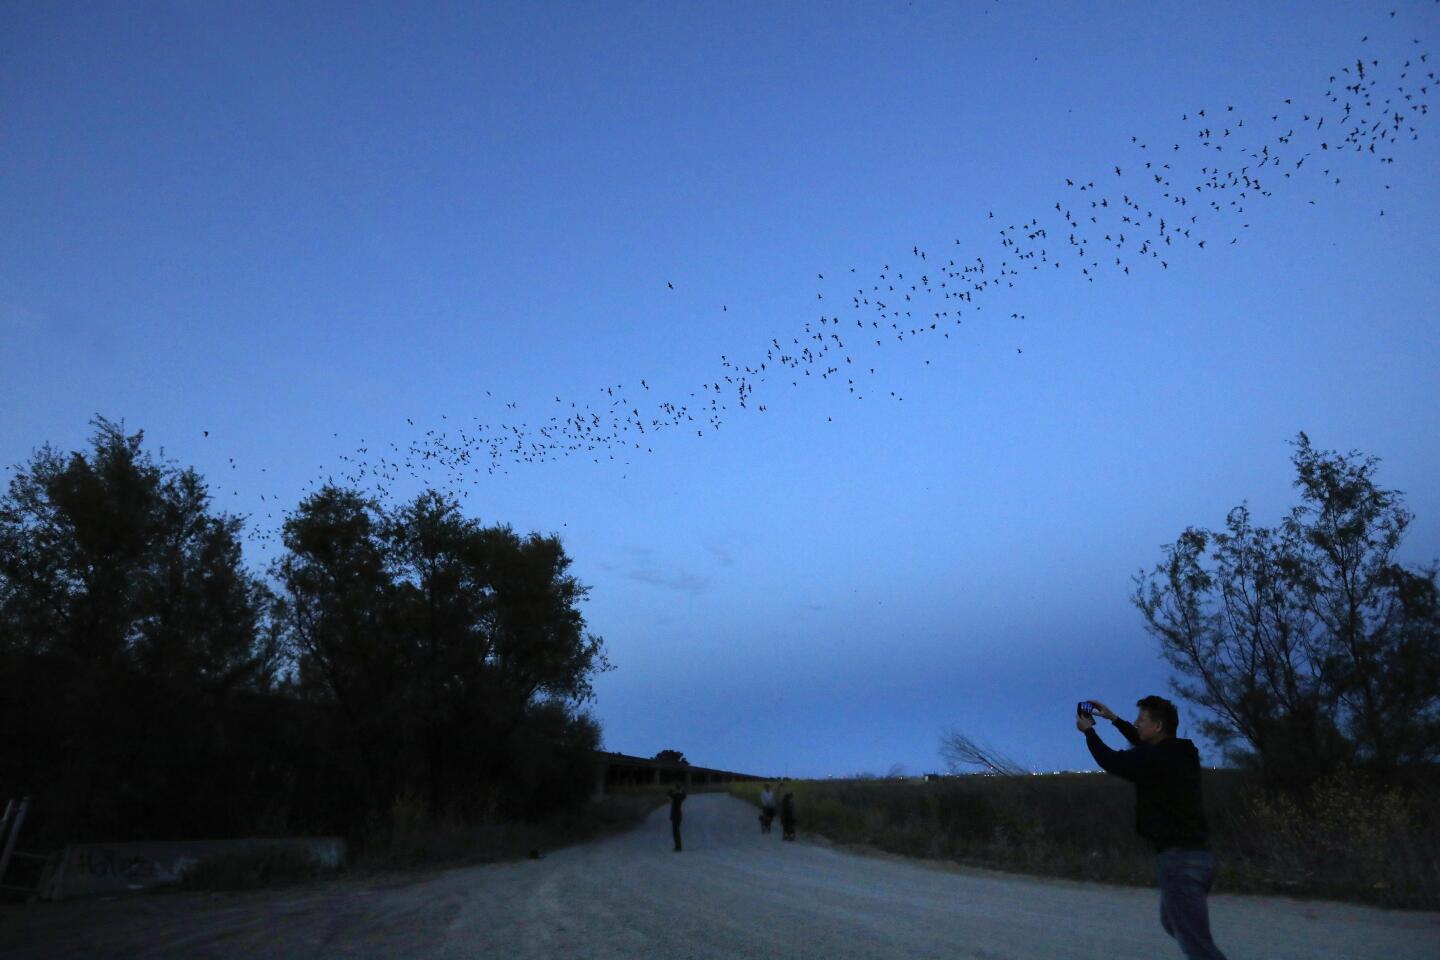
[88, 869]
[105, 863]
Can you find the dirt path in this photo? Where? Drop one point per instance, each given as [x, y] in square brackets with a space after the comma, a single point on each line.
[732, 894]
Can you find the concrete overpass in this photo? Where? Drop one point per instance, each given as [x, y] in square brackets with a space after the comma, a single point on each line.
[618, 771]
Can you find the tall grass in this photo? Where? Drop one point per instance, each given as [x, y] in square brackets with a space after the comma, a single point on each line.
[1347, 840]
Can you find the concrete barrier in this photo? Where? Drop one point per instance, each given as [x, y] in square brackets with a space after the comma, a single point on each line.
[96, 869]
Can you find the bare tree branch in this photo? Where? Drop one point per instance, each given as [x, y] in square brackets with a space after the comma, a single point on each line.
[959, 750]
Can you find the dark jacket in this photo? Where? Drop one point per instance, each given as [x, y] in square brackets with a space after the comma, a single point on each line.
[1169, 808]
[677, 797]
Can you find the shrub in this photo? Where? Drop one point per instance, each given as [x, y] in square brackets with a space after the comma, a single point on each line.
[1347, 839]
[1345, 836]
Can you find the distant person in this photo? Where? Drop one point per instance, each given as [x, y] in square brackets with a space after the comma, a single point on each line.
[1169, 812]
[767, 808]
[787, 817]
[677, 797]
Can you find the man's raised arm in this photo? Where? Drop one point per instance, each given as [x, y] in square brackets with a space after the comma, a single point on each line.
[1126, 728]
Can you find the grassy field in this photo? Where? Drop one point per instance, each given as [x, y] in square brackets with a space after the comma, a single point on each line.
[1348, 842]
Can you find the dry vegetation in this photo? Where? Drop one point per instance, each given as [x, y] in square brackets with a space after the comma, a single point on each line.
[1347, 840]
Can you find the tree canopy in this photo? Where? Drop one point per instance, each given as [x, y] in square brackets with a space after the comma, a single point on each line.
[1307, 643]
[127, 624]
[156, 688]
[110, 558]
[435, 633]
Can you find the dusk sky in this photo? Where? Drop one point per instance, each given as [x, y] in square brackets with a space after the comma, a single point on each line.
[535, 254]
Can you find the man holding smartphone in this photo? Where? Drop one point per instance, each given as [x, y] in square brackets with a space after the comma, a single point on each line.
[1169, 812]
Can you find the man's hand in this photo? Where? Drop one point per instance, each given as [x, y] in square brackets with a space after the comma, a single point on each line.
[1103, 711]
[1083, 723]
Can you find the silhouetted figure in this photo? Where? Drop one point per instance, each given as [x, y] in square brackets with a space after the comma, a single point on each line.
[1169, 812]
[787, 817]
[767, 808]
[677, 797]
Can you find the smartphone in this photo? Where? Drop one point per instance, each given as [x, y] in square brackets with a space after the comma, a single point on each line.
[1086, 707]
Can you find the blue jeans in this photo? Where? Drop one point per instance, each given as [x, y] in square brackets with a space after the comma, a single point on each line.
[1185, 878]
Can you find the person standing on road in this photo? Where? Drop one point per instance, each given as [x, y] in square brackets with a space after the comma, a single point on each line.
[767, 808]
[677, 797]
[787, 817]
[1169, 812]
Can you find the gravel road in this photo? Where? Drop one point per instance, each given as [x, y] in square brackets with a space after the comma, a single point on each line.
[733, 893]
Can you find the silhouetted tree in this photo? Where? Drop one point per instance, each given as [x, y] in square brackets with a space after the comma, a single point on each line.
[147, 691]
[112, 559]
[127, 616]
[672, 756]
[339, 591]
[493, 632]
[441, 638]
[1307, 643]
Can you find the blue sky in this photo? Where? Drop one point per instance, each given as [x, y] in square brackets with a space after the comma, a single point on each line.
[314, 228]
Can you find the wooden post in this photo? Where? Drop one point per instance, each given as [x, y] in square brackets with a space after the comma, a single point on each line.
[14, 832]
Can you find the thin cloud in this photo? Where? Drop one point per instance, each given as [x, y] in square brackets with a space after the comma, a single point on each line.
[681, 581]
[722, 556]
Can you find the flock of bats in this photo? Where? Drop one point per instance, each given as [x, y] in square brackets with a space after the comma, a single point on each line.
[1161, 202]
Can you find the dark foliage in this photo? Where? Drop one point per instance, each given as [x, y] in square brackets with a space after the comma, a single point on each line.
[1308, 644]
[127, 624]
[155, 689]
[456, 652]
